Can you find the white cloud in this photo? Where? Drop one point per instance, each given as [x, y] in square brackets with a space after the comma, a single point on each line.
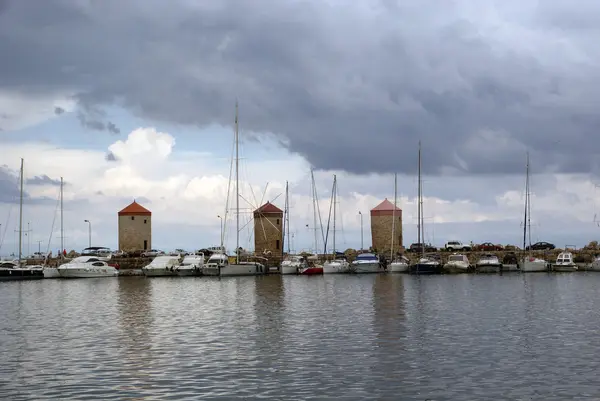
[21, 111]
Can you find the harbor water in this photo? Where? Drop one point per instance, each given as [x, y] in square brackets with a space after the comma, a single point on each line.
[338, 337]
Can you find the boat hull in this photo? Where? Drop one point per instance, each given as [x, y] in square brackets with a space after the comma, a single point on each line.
[336, 268]
[88, 272]
[365, 268]
[159, 272]
[51, 272]
[311, 271]
[426, 268]
[564, 268]
[242, 270]
[21, 274]
[488, 268]
[533, 267]
[398, 268]
[188, 272]
[455, 268]
[289, 270]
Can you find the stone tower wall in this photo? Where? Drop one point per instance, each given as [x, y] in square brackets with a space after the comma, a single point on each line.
[381, 231]
[268, 233]
[133, 232]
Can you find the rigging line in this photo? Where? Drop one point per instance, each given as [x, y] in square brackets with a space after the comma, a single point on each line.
[329, 219]
[52, 228]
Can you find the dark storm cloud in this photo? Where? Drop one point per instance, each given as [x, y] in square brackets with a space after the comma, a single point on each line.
[58, 111]
[348, 87]
[43, 180]
[10, 192]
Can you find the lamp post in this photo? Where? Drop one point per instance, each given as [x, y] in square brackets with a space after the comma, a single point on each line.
[361, 230]
[89, 232]
[221, 244]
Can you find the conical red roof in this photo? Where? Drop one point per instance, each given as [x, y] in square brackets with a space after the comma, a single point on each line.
[268, 208]
[385, 206]
[135, 209]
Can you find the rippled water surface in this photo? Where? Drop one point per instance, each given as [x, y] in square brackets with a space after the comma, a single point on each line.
[378, 337]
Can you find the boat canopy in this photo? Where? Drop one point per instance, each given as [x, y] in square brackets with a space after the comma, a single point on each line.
[366, 256]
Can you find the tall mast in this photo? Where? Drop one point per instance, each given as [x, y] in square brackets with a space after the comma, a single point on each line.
[314, 208]
[334, 210]
[394, 216]
[286, 221]
[62, 247]
[421, 205]
[237, 188]
[21, 216]
[526, 203]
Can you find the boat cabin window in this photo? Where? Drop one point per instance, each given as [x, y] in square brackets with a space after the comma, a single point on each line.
[98, 264]
[93, 260]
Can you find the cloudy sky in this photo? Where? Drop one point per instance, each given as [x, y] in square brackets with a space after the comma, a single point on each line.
[136, 99]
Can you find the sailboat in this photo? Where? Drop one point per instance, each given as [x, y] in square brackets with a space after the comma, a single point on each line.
[529, 263]
[313, 267]
[16, 270]
[425, 265]
[218, 263]
[52, 272]
[338, 264]
[398, 264]
[291, 264]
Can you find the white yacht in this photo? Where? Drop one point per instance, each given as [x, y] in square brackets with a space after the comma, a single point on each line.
[457, 263]
[218, 265]
[87, 267]
[13, 270]
[338, 265]
[488, 264]
[595, 265]
[564, 263]
[366, 263]
[191, 265]
[292, 264]
[162, 266]
[399, 265]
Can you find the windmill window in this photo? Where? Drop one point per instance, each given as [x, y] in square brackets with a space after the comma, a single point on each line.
[145, 221]
[277, 224]
[132, 217]
[277, 243]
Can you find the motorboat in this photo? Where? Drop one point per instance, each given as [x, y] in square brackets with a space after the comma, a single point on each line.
[488, 263]
[13, 270]
[426, 265]
[530, 264]
[564, 263]
[457, 263]
[191, 265]
[87, 267]
[218, 265]
[366, 263]
[312, 268]
[162, 266]
[337, 265]
[292, 264]
[399, 265]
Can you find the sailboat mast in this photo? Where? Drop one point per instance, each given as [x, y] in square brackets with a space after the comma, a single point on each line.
[314, 208]
[62, 236]
[394, 216]
[334, 210]
[237, 188]
[21, 215]
[526, 203]
[286, 221]
[421, 222]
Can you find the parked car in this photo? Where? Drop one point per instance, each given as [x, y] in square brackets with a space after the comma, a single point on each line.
[418, 247]
[152, 253]
[457, 246]
[179, 252]
[488, 246]
[120, 254]
[541, 246]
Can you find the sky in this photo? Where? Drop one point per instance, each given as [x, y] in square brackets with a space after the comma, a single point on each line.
[136, 100]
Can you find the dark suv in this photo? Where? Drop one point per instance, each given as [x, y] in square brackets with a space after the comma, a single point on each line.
[418, 247]
[541, 246]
